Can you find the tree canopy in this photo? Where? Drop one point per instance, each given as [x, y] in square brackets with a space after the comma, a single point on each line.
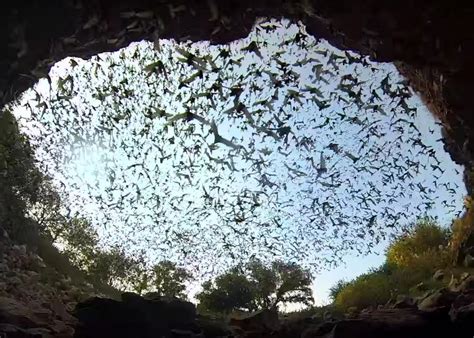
[426, 240]
[256, 286]
[169, 280]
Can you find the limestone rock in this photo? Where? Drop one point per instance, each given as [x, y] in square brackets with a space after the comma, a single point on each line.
[467, 284]
[404, 302]
[3, 267]
[9, 330]
[421, 287]
[468, 261]
[319, 330]
[212, 327]
[15, 313]
[437, 302]
[134, 316]
[40, 332]
[464, 316]
[261, 321]
[438, 275]
[388, 323]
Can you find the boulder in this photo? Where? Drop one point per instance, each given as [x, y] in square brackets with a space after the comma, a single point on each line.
[176, 312]
[421, 287]
[462, 299]
[438, 302]
[319, 330]
[261, 321]
[387, 323]
[14, 313]
[468, 261]
[60, 311]
[467, 284]
[404, 302]
[134, 316]
[20, 250]
[438, 275]
[212, 327]
[43, 333]
[9, 330]
[463, 315]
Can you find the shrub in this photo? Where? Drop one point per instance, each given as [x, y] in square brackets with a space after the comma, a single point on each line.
[424, 247]
[19, 180]
[367, 290]
[410, 259]
[336, 289]
[462, 234]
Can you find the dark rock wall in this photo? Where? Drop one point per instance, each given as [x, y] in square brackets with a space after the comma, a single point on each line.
[432, 42]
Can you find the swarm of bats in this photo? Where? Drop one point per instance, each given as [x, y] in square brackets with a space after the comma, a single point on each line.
[277, 146]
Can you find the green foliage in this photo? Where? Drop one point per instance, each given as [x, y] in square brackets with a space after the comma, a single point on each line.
[19, 180]
[80, 240]
[169, 280]
[462, 233]
[46, 212]
[318, 314]
[410, 259]
[230, 291]
[366, 290]
[256, 286]
[425, 244]
[265, 282]
[110, 267]
[336, 289]
[293, 284]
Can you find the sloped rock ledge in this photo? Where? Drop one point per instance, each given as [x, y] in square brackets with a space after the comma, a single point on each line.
[441, 313]
[447, 312]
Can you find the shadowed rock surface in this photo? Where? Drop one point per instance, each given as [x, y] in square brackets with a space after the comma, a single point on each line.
[134, 316]
[138, 317]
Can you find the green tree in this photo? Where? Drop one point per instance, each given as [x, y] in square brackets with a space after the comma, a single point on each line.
[229, 291]
[293, 284]
[80, 242]
[257, 286]
[47, 212]
[370, 289]
[111, 267]
[169, 280]
[337, 288]
[425, 244]
[19, 181]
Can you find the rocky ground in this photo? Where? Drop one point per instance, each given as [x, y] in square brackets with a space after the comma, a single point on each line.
[37, 301]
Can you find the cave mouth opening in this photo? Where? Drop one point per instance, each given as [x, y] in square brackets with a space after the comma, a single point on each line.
[277, 146]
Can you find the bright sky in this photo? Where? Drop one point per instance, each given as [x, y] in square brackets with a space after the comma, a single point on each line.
[321, 164]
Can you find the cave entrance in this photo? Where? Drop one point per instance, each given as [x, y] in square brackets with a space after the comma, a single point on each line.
[277, 146]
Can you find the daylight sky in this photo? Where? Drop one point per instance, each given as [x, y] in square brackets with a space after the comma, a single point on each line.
[321, 162]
